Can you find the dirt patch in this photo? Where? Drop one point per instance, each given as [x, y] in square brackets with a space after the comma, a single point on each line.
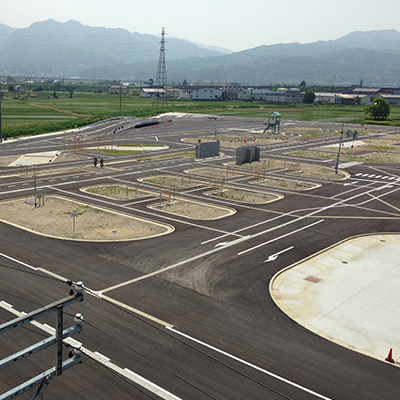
[385, 149]
[171, 180]
[286, 184]
[246, 196]
[92, 223]
[118, 192]
[217, 178]
[192, 210]
[297, 170]
[233, 140]
[216, 173]
[166, 201]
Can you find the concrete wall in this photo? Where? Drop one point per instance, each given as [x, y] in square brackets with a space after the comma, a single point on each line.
[207, 149]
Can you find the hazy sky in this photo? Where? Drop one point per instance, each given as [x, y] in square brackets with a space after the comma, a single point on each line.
[233, 24]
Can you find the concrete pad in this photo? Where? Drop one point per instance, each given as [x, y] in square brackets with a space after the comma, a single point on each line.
[45, 157]
[348, 294]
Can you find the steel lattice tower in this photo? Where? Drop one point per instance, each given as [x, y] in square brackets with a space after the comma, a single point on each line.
[161, 78]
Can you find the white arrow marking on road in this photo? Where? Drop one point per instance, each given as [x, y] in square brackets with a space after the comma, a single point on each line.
[156, 138]
[273, 257]
[232, 242]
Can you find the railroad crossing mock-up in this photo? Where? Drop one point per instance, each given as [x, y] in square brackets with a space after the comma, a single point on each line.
[222, 258]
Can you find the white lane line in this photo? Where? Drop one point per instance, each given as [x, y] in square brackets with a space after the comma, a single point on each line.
[19, 262]
[161, 392]
[102, 356]
[244, 229]
[152, 387]
[280, 237]
[352, 190]
[264, 371]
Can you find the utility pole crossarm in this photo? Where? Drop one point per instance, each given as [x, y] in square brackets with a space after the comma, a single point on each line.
[17, 322]
[41, 379]
[29, 351]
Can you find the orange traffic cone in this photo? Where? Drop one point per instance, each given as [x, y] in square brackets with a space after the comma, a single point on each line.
[389, 357]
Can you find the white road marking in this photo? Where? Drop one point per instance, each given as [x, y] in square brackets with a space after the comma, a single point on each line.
[352, 190]
[280, 237]
[19, 262]
[264, 371]
[244, 229]
[232, 242]
[273, 257]
[152, 387]
[102, 356]
[162, 392]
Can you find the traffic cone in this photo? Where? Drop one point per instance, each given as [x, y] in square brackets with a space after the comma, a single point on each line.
[389, 357]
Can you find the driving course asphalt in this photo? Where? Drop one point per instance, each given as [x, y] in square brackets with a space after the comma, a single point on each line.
[189, 315]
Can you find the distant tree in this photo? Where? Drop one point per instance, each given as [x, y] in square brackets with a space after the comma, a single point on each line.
[331, 89]
[358, 100]
[55, 95]
[309, 97]
[184, 83]
[379, 109]
[303, 83]
[71, 93]
[10, 88]
[276, 87]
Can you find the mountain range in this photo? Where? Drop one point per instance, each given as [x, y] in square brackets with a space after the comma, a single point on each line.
[51, 48]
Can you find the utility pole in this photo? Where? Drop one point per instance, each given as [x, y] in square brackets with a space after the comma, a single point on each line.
[42, 380]
[1, 125]
[340, 146]
[120, 99]
[173, 96]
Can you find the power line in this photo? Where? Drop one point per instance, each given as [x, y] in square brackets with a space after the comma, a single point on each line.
[198, 350]
[146, 358]
[171, 336]
[123, 378]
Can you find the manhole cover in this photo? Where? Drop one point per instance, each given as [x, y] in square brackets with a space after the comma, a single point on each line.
[115, 232]
[313, 279]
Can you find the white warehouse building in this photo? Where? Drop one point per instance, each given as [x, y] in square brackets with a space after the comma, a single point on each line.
[207, 93]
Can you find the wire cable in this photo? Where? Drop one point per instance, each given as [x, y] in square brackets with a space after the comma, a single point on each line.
[123, 378]
[146, 357]
[198, 350]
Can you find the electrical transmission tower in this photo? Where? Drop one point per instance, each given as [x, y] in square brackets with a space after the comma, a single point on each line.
[161, 78]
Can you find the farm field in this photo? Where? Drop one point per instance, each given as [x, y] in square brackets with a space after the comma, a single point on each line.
[39, 113]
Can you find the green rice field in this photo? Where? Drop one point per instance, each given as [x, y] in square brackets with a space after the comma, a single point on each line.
[39, 113]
